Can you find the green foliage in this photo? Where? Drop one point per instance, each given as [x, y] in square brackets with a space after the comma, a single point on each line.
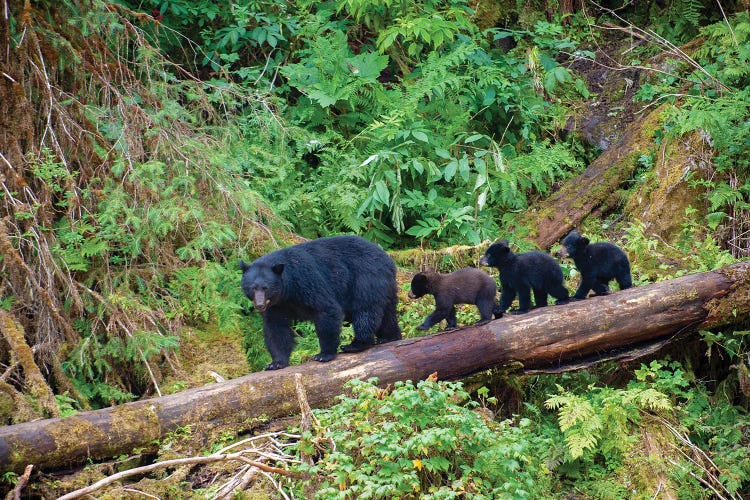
[603, 428]
[695, 250]
[9, 478]
[68, 406]
[91, 363]
[330, 73]
[681, 20]
[734, 345]
[405, 129]
[711, 424]
[715, 107]
[423, 441]
[602, 420]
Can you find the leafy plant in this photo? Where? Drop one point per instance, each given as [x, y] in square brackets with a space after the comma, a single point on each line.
[91, 363]
[603, 418]
[418, 441]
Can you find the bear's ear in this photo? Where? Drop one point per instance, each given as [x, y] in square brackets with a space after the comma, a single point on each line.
[278, 268]
[583, 241]
[504, 243]
[244, 266]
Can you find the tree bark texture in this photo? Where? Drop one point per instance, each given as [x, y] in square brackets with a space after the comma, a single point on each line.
[543, 339]
[595, 189]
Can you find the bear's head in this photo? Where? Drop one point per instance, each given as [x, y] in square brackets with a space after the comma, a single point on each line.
[261, 282]
[497, 255]
[573, 245]
[420, 285]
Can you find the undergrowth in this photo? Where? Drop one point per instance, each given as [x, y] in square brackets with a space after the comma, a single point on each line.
[432, 440]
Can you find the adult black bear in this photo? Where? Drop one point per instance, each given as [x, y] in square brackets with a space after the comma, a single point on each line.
[598, 263]
[522, 273]
[324, 281]
[465, 286]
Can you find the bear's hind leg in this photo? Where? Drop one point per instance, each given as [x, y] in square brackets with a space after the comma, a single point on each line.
[601, 287]
[364, 323]
[624, 279]
[485, 307]
[389, 329]
[561, 294]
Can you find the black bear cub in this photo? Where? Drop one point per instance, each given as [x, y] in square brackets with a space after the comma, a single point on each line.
[465, 286]
[598, 263]
[522, 273]
[324, 281]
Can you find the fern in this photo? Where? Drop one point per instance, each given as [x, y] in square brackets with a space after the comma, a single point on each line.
[601, 419]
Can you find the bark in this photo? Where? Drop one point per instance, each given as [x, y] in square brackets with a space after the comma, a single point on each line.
[595, 189]
[544, 339]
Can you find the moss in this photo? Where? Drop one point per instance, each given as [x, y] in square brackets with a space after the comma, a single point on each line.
[205, 352]
[7, 409]
[668, 191]
[37, 386]
[646, 468]
[734, 305]
[444, 260]
[487, 13]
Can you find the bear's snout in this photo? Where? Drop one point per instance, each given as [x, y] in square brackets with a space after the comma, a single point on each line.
[260, 301]
[484, 261]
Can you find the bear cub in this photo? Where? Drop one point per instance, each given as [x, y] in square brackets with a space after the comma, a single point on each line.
[598, 263]
[465, 286]
[324, 281]
[523, 273]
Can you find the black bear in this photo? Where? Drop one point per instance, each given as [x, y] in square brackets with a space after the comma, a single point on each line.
[325, 281]
[465, 286]
[598, 263]
[522, 273]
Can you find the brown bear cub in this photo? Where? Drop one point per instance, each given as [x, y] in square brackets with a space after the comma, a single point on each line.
[465, 286]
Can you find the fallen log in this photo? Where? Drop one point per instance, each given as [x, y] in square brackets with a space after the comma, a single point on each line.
[547, 338]
[595, 188]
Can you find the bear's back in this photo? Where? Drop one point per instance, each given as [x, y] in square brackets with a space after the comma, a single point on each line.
[539, 268]
[606, 258]
[469, 283]
[349, 269]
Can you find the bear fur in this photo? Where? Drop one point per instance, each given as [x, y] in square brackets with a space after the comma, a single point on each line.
[598, 263]
[465, 286]
[324, 281]
[523, 273]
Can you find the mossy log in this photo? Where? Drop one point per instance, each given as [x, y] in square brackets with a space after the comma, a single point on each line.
[595, 189]
[544, 339]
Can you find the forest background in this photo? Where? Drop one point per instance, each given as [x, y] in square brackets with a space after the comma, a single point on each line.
[148, 146]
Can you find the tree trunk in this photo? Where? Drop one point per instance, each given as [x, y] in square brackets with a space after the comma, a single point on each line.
[544, 339]
[595, 188]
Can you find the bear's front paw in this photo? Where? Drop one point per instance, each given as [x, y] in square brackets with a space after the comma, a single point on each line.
[276, 365]
[323, 358]
[424, 326]
[356, 346]
[519, 311]
[562, 301]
